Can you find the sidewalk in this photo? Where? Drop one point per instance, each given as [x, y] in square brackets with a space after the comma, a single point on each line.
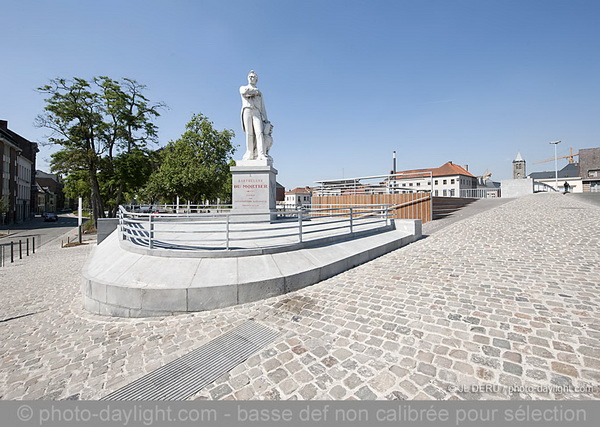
[507, 298]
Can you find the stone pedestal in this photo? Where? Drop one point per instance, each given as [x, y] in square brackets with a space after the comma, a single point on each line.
[253, 188]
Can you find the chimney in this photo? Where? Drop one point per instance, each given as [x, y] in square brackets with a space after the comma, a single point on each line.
[4, 124]
[467, 168]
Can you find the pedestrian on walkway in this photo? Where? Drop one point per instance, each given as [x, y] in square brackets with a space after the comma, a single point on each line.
[566, 186]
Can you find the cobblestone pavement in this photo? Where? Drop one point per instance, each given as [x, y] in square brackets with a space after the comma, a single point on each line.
[505, 299]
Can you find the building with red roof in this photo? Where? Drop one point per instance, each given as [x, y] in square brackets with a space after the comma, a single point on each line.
[445, 181]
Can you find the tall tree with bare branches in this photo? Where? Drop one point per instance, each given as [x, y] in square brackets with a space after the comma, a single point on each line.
[99, 124]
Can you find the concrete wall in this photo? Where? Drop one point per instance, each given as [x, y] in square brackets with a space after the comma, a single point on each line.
[105, 227]
[516, 187]
[589, 164]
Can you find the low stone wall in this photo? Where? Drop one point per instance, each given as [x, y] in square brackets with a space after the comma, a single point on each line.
[118, 282]
[512, 188]
[105, 227]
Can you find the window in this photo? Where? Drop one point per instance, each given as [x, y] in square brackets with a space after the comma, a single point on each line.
[451, 181]
[435, 182]
[410, 185]
[418, 184]
[445, 193]
[593, 173]
[435, 193]
[445, 182]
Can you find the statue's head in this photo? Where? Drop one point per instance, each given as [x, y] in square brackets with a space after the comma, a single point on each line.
[252, 77]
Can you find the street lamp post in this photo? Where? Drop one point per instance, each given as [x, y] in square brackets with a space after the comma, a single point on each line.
[555, 143]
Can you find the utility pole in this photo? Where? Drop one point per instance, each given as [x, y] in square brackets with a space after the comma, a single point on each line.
[79, 219]
[555, 143]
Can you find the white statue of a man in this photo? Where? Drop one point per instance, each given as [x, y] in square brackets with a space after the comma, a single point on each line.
[254, 121]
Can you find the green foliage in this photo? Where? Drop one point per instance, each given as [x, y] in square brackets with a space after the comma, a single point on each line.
[126, 176]
[196, 166]
[77, 184]
[3, 205]
[88, 227]
[103, 128]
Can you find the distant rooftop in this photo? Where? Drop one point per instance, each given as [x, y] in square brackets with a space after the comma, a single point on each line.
[569, 171]
[446, 169]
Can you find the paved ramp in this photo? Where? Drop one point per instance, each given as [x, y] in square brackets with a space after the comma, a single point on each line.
[474, 208]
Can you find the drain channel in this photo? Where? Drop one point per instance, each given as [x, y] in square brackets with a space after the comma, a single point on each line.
[188, 374]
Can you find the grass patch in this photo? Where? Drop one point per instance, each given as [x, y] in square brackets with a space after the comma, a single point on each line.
[73, 244]
[89, 227]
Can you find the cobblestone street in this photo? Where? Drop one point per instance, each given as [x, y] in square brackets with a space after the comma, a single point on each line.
[501, 305]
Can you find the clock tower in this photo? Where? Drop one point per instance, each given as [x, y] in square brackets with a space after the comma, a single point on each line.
[519, 168]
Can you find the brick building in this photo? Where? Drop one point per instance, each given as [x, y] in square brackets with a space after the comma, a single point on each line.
[17, 175]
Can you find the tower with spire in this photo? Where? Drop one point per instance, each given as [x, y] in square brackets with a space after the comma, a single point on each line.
[519, 168]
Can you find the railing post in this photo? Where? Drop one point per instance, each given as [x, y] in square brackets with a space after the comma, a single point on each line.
[351, 221]
[300, 225]
[33, 243]
[227, 232]
[150, 231]
[12, 251]
[20, 249]
[27, 245]
[384, 211]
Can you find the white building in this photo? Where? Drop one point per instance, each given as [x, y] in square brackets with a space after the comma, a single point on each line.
[568, 174]
[449, 180]
[298, 197]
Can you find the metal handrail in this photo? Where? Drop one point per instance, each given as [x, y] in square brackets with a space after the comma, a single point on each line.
[542, 187]
[143, 228]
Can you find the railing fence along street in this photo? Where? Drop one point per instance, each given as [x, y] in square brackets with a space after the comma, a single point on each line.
[18, 247]
[480, 193]
[217, 227]
[407, 194]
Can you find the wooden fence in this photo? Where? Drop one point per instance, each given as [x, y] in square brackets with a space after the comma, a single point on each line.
[404, 206]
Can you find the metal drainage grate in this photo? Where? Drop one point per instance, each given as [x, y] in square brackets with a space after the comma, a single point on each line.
[185, 376]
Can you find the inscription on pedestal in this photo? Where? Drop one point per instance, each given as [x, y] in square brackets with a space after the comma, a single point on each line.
[251, 192]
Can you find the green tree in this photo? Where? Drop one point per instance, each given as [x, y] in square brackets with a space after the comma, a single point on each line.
[129, 161]
[129, 173]
[77, 184]
[95, 123]
[196, 166]
[3, 207]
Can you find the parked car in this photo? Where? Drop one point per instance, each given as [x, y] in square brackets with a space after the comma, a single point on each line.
[50, 217]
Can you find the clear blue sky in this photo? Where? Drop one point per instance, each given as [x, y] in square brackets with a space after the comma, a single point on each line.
[345, 82]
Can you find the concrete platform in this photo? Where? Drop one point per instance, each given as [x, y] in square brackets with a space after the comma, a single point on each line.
[120, 282]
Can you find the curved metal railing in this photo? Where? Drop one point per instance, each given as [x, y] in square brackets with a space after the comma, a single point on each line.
[221, 228]
[542, 187]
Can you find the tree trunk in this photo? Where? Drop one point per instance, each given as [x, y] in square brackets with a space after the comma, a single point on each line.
[118, 200]
[96, 199]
